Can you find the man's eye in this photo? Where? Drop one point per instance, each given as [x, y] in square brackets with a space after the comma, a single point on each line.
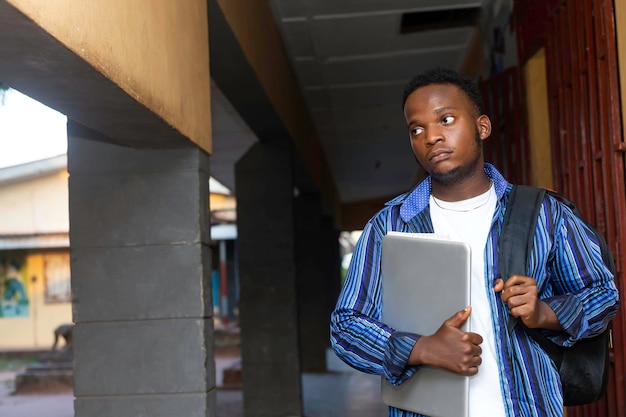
[416, 131]
[447, 119]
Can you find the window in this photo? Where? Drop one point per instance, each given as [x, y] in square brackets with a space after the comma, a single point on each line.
[57, 277]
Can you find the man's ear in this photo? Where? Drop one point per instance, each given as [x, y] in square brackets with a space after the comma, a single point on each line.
[483, 124]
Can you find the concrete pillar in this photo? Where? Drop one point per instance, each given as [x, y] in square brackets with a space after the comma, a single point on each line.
[141, 279]
[233, 280]
[268, 316]
[313, 317]
[331, 267]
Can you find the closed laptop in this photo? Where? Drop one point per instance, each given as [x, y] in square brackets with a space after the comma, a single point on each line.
[424, 282]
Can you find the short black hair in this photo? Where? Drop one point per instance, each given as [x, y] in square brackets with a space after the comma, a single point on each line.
[446, 76]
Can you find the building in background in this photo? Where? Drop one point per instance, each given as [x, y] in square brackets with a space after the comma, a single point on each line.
[35, 293]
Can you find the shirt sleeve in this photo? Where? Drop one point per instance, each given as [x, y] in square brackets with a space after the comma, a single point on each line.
[585, 296]
[357, 335]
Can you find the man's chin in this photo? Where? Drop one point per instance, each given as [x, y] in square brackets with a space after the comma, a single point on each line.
[449, 177]
[444, 179]
[448, 174]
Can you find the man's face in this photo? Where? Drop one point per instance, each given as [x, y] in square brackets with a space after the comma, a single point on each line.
[446, 132]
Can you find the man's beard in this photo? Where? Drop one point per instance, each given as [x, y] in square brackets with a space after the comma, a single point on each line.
[458, 174]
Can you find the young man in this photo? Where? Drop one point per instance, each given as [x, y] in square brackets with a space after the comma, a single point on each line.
[569, 291]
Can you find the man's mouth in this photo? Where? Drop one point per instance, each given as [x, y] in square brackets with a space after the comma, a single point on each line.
[439, 155]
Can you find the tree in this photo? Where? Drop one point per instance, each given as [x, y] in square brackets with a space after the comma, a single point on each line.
[3, 90]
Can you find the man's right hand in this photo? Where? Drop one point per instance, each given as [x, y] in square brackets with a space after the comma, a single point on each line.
[450, 348]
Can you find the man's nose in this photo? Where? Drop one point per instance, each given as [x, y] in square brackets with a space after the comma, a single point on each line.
[433, 135]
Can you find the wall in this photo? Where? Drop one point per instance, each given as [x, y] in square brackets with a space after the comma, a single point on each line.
[132, 43]
[535, 78]
[620, 32]
[222, 202]
[35, 206]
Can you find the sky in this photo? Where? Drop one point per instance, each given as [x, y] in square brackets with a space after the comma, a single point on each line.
[29, 130]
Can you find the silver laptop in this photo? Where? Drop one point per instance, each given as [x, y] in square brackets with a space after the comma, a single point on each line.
[424, 282]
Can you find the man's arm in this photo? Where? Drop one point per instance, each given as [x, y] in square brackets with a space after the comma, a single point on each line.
[358, 336]
[360, 339]
[584, 297]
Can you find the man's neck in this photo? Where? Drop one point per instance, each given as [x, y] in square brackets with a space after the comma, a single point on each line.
[471, 187]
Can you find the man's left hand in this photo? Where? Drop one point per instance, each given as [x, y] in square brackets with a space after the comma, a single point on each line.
[520, 294]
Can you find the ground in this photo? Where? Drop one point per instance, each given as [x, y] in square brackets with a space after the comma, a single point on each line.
[337, 393]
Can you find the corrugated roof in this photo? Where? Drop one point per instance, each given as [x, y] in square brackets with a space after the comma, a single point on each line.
[34, 169]
[35, 241]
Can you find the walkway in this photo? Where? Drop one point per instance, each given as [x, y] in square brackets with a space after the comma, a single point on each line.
[340, 393]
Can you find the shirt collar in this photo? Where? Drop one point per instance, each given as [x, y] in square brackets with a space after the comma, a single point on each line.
[417, 200]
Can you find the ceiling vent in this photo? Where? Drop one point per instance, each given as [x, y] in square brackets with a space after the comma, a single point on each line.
[439, 19]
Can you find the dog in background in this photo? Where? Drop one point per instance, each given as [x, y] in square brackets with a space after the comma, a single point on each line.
[63, 331]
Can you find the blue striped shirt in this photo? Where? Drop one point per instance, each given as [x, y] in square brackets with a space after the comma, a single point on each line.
[571, 277]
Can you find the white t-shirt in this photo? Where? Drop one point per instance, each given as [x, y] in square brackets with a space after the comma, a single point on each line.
[470, 221]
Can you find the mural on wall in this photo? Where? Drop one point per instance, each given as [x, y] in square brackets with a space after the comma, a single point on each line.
[13, 287]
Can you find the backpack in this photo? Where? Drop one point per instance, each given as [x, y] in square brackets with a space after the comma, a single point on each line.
[584, 367]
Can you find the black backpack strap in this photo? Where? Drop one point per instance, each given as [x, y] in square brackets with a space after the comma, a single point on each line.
[583, 369]
[518, 231]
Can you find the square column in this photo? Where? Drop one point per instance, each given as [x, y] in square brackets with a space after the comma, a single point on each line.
[141, 279]
[268, 312]
[314, 277]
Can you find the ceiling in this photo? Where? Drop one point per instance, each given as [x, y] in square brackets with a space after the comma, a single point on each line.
[231, 138]
[352, 63]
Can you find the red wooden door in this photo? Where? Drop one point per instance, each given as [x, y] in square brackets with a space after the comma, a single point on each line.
[507, 148]
[586, 136]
